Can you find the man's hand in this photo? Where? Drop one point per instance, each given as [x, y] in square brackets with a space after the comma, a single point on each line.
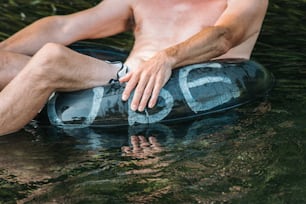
[147, 80]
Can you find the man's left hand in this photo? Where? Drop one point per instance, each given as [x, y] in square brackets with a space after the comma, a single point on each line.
[147, 80]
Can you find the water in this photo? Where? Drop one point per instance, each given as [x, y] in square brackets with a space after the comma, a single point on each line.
[255, 154]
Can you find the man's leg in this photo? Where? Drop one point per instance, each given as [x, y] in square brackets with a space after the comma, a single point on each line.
[10, 66]
[53, 68]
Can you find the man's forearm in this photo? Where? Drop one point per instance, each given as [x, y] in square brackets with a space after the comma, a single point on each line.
[239, 21]
[30, 39]
[205, 45]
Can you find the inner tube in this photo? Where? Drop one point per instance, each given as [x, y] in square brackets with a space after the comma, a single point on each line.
[192, 91]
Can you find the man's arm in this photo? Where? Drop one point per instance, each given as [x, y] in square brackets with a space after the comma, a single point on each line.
[240, 20]
[107, 18]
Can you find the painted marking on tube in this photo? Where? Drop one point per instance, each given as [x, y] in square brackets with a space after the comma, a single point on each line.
[144, 118]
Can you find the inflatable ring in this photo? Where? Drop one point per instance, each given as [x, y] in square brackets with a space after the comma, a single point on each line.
[192, 91]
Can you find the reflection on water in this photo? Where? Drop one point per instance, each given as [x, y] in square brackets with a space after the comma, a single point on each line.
[255, 154]
[95, 163]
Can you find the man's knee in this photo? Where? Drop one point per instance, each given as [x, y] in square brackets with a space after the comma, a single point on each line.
[48, 61]
[50, 54]
[46, 66]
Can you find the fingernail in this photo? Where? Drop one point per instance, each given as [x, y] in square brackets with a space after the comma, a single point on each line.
[124, 97]
[134, 107]
[151, 105]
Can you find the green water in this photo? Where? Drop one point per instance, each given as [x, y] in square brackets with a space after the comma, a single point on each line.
[255, 154]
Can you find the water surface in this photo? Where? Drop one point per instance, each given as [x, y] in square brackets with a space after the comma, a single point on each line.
[255, 154]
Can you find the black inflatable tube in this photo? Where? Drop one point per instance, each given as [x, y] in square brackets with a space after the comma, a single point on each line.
[192, 91]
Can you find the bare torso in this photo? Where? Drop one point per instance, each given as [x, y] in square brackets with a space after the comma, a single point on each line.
[162, 23]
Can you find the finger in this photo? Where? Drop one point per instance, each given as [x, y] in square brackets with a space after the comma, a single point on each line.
[131, 84]
[153, 141]
[155, 93]
[139, 92]
[135, 144]
[126, 77]
[143, 141]
[126, 149]
[146, 95]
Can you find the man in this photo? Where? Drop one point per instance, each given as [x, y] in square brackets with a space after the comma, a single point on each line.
[168, 34]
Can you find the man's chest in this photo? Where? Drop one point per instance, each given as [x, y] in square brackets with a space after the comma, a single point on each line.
[178, 12]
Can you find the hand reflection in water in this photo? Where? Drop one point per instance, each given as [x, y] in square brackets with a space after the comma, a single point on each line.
[145, 154]
[141, 147]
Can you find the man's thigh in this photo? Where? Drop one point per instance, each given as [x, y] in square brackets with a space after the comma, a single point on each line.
[10, 65]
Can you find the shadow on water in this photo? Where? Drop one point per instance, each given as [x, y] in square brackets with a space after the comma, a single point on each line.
[255, 154]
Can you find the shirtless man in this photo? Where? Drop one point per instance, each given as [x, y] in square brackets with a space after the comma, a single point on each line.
[168, 34]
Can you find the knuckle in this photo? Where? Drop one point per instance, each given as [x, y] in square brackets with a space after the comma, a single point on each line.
[147, 92]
